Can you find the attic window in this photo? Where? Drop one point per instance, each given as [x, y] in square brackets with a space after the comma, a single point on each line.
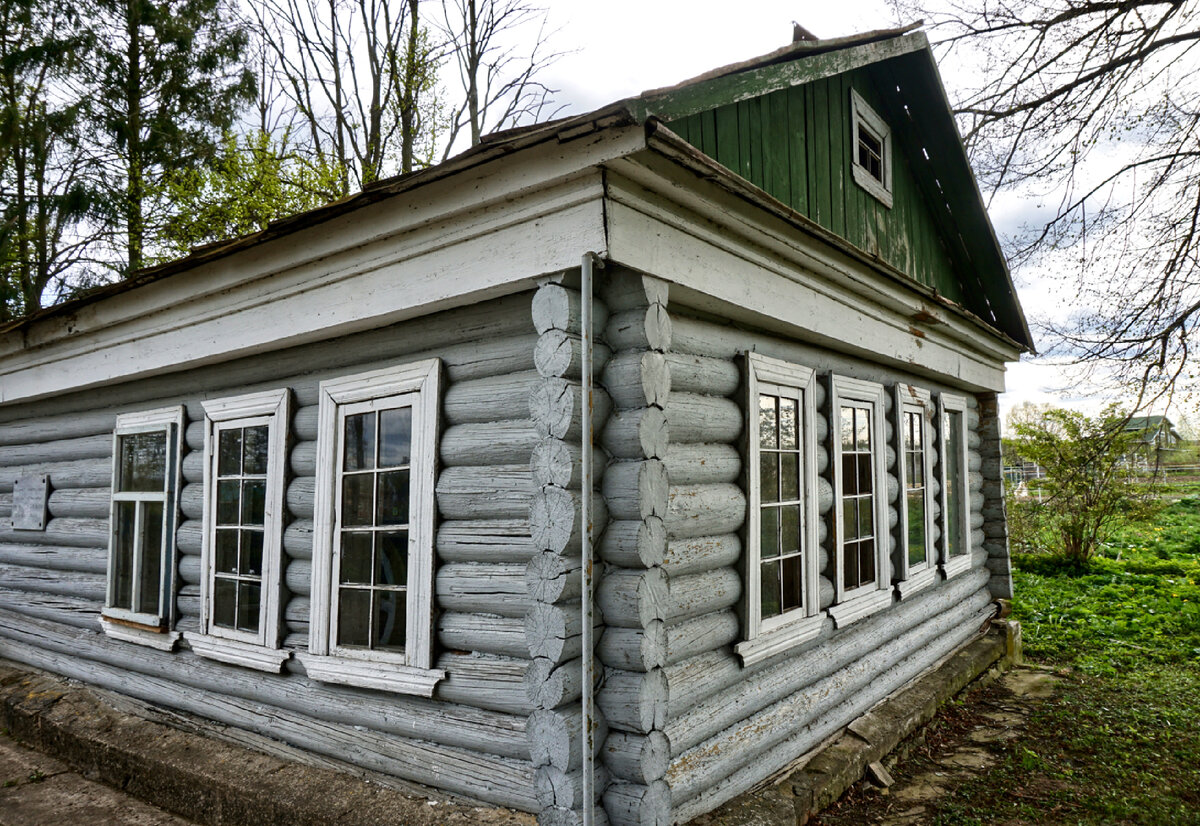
[871, 153]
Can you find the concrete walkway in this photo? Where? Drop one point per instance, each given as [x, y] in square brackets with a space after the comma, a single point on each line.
[37, 790]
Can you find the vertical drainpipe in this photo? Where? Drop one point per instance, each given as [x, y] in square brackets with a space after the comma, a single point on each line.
[590, 260]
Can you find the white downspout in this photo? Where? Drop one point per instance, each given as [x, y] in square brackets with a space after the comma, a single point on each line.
[590, 260]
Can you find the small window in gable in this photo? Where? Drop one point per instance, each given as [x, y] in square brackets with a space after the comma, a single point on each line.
[871, 150]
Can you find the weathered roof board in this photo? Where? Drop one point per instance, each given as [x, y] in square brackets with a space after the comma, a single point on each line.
[785, 127]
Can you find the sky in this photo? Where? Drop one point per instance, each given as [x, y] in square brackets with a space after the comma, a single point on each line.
[619, 48]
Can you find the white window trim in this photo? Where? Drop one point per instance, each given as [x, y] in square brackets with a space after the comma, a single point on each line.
[911, 579]
[144, 628]
[861, 114]
[765, 638]
[259, 651]
[412, 672]
[864, 600]
[953, 566]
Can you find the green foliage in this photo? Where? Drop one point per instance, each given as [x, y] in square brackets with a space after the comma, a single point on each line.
[1087, 491]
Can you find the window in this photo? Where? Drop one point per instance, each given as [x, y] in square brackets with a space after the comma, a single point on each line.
[245, 442]
[372, 586]
[918, 563]
[956, 506]
[860, 510]
[141, 558]
[782, 580]
[871, 150]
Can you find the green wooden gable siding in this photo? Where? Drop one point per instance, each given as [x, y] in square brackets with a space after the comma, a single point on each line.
[795, 144]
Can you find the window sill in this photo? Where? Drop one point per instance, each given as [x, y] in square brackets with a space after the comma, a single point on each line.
[871, 184]
[916, 582]
[126, 632]
[957, 565]
[394, 678]
[257, 657]
[778, 640]
[855, 609]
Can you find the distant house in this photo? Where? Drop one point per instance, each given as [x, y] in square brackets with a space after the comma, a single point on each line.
[1156, 439]
[327, 482]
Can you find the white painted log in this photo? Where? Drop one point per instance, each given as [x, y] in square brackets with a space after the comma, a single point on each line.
[705, 510]
[298, 539]
[632, 804]
[974, 461]
[192, 468]
[80, 502]
[634, 543]
[59, 610]
[193, 435]
[303, 459]
[821, 455]
[634, 700]
[87, 560]
[485, 540]
[555, 736]
[71, 532]
[636, 490]
[697, 635]
[189, 536]
[60, 450]
[624, 289]
[554, 519]
[549, 684]
[56, 428]
[296, 615]
[187, 601]
[824, 495]
[190, 570]
[556, 307]
[482, 633]
[497, 492]
[696, 418]
[633, 598]
[490, 443]
[634, 649]
[638, 758]
[483, 588]
[559, 463]
[702, 464]
[637, 378]
[553, 578]
[559, 354]
[828, 592]
[301, 497]
[636, 434]
[62, 583]
[554, 632]
[640, 328]
[81, 473]
[564, 790]
[491, 399]
[487, 682]
[191, 501]
[690, 680]
[702, 553]
[298, 577]
[555, 406]
[976, 518]
[305, 423]
[700, 374]
[697, 594]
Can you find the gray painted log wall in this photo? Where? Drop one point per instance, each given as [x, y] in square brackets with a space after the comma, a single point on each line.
[471, 737]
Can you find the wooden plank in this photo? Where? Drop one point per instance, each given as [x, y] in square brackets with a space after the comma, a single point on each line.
[745, 153]
[819, 168]
[728, 146]
[797, 119]
[708, 133]
[839, 127]
[775, 146]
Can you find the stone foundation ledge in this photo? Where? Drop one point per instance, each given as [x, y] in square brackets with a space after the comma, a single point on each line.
[824, 775]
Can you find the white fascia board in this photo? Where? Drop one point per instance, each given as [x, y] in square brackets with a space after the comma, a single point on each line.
[749, 264]
[479, 234]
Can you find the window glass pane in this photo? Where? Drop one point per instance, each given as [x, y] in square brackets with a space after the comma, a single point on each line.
[769, 544]
[769, 476]
[249, 598]
[393, 498]
[849, 519]
[789, 476]
[392, 559]
[228, 502]
[395, 436]
[152, 550]
[916, 527]
[143, 461]
[790, 518]
[256, 442]
[254, 501]
[359, 453]
[956, 484]
[850, 565]
[770, 585]
[847, 428]
[768, 430]
[356, 558]
[390, 620]
[225, 602]
[123, 554]
[787, 424]
[862, 429]
[849, 474]
[865, 484]
[865, 518]
[358, 499]
[866, 566]
[252, 553]
[354, 617]
[229, 452]
[793, 596]
[227, 551]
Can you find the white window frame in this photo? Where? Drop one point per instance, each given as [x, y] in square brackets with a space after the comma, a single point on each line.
[855, 603]
[949, 402]
[913, 578]
[143, 627]
[412, 671]
[862, 116]
[767, 637]
[262, 650]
